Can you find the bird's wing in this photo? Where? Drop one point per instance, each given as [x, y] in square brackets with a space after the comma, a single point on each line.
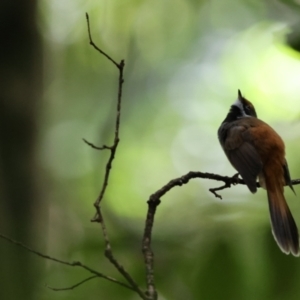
[243, 155]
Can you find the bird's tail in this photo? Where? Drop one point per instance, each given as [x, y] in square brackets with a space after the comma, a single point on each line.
[284, 228]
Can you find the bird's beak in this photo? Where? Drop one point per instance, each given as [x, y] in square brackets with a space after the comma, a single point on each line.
[240, 96]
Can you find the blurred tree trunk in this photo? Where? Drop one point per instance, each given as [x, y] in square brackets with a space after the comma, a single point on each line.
[20, 93]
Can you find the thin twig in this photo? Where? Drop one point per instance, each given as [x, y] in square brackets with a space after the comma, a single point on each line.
[71, 264]
[227, 184]
[96, 147]
[73, 286]
[113, 148]
[95, 46]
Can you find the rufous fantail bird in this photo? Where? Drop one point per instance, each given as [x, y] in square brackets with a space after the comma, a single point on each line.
[255, 150]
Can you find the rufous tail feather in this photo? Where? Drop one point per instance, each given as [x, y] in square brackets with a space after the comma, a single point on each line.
[284, 228]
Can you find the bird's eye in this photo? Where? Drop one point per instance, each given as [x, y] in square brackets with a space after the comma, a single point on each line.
[248, 107]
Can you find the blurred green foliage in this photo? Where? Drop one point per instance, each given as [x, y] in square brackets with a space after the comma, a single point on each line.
[185, 61]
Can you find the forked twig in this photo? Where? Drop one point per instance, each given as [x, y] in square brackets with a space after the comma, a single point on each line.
[112, 148]
[109, 254]
[98, 216]
[71, 287]
[71, 264]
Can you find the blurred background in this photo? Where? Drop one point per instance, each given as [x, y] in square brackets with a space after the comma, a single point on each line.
[185, 60]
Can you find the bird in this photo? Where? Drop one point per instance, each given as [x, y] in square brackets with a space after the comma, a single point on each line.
[256, 150]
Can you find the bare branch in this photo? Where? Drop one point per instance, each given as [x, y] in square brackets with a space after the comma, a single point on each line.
[98, 216]
[71, 264]
[112, 148]
[73, 286]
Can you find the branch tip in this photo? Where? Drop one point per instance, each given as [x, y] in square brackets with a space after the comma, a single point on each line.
[104, 147]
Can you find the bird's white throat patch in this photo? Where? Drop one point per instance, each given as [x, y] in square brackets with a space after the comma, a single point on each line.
[239, 104]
